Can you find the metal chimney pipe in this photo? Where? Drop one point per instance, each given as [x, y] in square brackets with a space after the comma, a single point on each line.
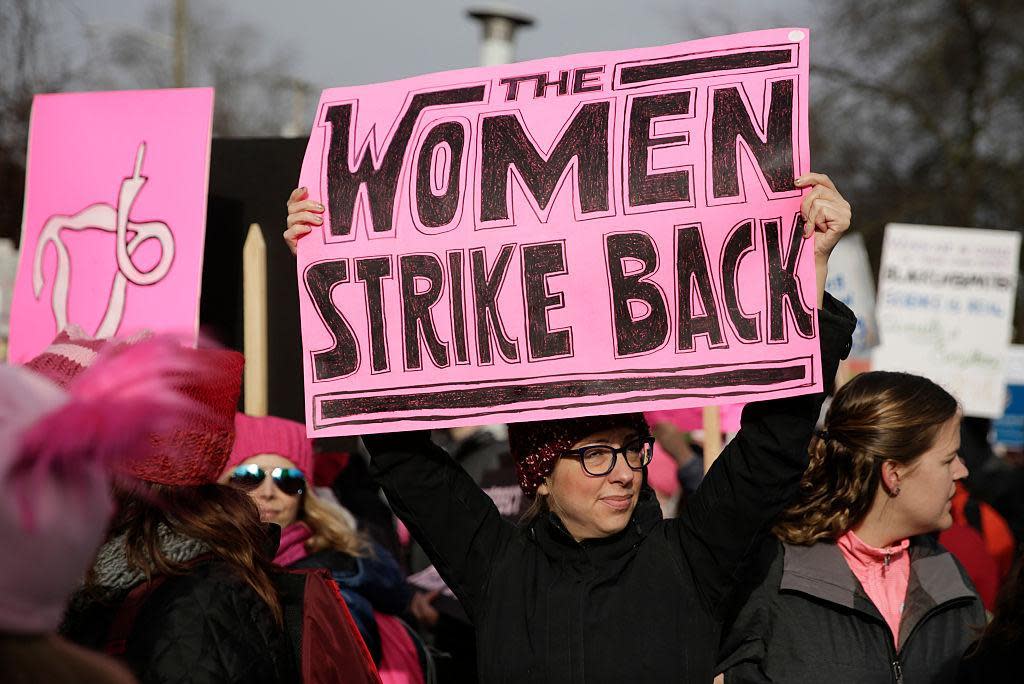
[499, 25]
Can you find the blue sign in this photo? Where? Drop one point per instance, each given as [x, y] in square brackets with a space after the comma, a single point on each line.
[1010, 428]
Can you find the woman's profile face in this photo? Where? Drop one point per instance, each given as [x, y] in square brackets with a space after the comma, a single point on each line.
[927, 486]
[275, 506]
[592, 506]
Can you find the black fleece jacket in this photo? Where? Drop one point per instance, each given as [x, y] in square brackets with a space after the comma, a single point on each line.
[204, 627]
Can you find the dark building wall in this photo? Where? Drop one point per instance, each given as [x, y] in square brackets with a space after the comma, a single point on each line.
[250, 180]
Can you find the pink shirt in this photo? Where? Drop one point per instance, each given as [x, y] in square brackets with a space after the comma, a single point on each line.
[884, 574]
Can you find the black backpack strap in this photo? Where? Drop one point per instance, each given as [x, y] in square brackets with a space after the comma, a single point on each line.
[291, 590]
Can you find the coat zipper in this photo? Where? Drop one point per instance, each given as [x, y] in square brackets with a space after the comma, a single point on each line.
[897, 671]
[896, 664]
[894, 657]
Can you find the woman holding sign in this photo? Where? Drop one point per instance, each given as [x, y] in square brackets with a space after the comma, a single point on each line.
[595, 586]
[855, 563]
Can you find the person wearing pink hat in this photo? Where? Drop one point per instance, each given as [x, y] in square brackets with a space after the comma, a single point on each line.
[594, 585]
[183, 574]
[678, 464]
[272, 460]
[183, 587]
[675, 469]
[61, 442]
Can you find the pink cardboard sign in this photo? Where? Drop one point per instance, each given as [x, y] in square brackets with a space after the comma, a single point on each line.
[115, 215]
[581, 235]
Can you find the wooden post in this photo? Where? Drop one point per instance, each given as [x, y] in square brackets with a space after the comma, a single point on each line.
[254, 318]
[712, 435]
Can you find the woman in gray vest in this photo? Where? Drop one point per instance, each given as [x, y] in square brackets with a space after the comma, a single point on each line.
[855, 588]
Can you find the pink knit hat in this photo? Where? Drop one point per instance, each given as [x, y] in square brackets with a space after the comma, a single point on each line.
[58, 449]
[271, 435]
[662, 473]
[196, 451]
[690, 419]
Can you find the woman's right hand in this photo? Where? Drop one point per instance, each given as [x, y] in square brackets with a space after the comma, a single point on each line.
[303, 215]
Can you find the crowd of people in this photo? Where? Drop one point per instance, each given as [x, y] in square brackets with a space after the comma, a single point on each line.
[154, 534]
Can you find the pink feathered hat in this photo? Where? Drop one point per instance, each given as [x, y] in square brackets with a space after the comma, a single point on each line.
[59, 449]
[271, 435]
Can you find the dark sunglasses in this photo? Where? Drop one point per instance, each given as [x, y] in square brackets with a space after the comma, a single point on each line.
[250, 476]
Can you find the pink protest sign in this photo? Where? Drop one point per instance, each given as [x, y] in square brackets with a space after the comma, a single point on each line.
[580, 235]
[115, 215]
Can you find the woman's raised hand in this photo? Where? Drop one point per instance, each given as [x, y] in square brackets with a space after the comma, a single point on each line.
[826, 216]
[303, 215]
[825, 212]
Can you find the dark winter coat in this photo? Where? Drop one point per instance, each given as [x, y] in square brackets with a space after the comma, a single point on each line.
[807, 618]
[643, 605]
[205, 626]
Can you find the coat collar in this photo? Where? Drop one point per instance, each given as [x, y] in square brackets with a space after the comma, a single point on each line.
[551, 535]
[821, 571]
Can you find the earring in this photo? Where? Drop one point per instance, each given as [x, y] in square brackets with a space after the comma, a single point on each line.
[895, 492]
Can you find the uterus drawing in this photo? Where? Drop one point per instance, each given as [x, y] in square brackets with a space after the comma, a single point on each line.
[116, 220]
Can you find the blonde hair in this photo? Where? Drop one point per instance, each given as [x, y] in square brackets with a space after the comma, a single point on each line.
[876, 417]
[331, 526]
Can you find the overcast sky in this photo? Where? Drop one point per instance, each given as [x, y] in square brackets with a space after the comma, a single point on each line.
[339, 42]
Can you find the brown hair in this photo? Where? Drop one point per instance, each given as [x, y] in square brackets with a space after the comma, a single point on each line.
[538, 507]
[330, 526]
[876, 417]
[222, 517]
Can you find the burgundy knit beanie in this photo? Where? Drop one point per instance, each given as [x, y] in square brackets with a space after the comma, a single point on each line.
[195, 453]
[272, 435]
[536, 446]
[71, 352]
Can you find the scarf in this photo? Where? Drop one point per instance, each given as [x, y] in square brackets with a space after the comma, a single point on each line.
[111, 569]
[293, 544]
[113, 577]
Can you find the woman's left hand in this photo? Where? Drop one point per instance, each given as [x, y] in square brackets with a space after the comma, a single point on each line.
[825, 212]
[826, 217]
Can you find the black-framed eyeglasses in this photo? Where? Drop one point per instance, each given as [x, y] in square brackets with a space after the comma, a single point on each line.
[600, 459]
[250, 476]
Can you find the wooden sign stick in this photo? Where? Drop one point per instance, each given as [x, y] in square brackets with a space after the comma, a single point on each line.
[254, 318]
[712, 435]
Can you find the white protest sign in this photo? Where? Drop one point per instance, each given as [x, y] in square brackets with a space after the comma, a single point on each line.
[945, 309]
[851, 282]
